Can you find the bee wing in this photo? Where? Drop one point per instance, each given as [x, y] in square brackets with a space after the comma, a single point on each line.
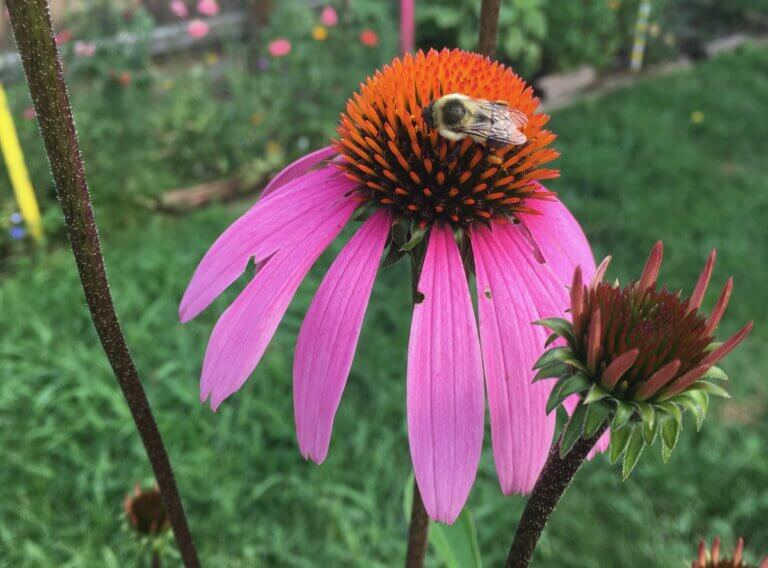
[496, 122]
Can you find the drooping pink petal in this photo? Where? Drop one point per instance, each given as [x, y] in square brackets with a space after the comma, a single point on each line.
[510, 297]
[298, 168]
[560, 239]
[445, 382]
[259, 233]
[328, 337]
[243, 331]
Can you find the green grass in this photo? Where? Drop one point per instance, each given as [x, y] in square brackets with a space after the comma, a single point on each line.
[635, 170]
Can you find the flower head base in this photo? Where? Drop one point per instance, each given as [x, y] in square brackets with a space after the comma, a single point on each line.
[401, 164]
[711, 558]
[639, 356]
[145, 512]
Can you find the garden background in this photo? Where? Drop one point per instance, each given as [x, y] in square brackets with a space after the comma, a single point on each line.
[678, 157]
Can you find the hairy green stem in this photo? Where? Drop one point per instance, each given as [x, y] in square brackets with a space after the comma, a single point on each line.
[550, 487]
[33, 31]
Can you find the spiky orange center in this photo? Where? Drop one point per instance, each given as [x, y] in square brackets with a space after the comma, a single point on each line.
[659, 325]
[402, 164]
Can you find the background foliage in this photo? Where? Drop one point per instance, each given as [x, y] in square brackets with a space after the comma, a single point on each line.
[637, 167]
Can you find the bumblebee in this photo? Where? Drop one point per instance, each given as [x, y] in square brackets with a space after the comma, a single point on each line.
[457, 116]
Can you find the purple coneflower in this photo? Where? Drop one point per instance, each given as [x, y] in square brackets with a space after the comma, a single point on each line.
[454, 206]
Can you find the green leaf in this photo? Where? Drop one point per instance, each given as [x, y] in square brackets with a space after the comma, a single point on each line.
[619, 441]
[597, 414]
[456, 544]
[559, 326]
[554, 355]
[573, 430]
[635, 447]
[714, 374]
[551, 371]
[624, 412]
[417, 235]
[710, 388]
[595, 393]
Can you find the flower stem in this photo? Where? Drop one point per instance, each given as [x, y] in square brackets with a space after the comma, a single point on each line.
[489, 27]
[550, 487]
[33, 31]
[418, 531]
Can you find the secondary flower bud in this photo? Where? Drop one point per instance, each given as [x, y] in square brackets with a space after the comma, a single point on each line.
[638, 356]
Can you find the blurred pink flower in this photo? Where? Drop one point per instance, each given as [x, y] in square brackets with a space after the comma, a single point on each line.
[197, 29]
[208, 7]
[179, 8]
[29, 113]
[369, 38]
[63, 37]
[279, 47]
[329, 17]
[85, 48]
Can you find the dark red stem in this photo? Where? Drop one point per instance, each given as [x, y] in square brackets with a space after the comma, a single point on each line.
[33, 31]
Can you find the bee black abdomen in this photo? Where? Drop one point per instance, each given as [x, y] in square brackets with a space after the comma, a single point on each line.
[453, 112]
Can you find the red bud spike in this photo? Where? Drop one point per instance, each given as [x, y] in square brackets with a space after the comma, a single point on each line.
[716, 550]
[651, 270]
[687, 379]
[593, 347]
[600, 272]
[728, 346]
[701, 286]
[738, 553]
[658, 380]
[719, 309]
[618, 367]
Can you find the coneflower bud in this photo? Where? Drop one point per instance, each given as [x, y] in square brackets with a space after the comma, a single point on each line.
[712, 559]
[145, 511]
[638, 356]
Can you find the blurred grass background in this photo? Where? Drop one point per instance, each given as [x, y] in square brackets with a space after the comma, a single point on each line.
[679, 158]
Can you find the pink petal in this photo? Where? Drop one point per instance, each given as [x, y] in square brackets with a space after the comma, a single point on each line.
[243, 331]
[445, 382]
[298, 168]
[560, 239]
[279, 47]
[179, 8]
[513, 290]
[208, 7]
[259, 233]
[406, 26]
[328, 337]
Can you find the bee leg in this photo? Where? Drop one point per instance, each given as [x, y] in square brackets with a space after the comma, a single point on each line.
[453, 155]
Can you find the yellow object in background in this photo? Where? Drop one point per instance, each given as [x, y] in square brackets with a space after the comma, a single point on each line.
[17, 170]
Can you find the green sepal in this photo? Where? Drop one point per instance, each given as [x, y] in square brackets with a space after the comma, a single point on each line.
[624, 412]
[559, 326]
[619, 440]
[669, 407]
[710, 388]
[650, 431]
[551, 371]
[646, 412]
[597, 414]
[393, 255]
[595, 393]
[400, 231]
[417, 235]
[365, 211]
[554, 355]
[697, 402]
[576, 364]
[635, 447]
[551, 339]
[565, 387]
[714, 374]
[573, 430]
[712, 346]
[670, 433]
